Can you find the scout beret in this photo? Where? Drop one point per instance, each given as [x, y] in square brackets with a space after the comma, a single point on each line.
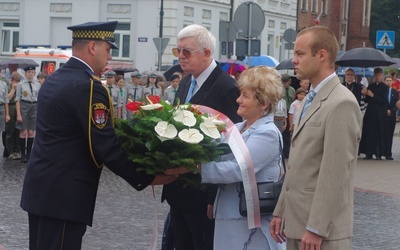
[285, 77]
[152, 75]
[173, 77]
[29, 68]
[110, 73]
[42, 74]
[103, 31]
[136, 74]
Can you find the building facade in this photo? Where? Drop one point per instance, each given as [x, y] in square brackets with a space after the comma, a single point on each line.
[348, 19]
[45, 22]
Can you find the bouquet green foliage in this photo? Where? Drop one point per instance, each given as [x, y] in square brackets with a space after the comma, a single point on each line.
[161, 136]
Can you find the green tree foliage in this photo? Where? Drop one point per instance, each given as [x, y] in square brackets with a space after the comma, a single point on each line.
[386, 16]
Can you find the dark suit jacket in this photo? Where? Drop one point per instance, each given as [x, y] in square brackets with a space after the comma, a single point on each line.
[62, 178]
[219, 92]
[394, 97]
[355, 88]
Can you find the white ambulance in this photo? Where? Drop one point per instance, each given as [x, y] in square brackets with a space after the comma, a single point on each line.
[48, 59]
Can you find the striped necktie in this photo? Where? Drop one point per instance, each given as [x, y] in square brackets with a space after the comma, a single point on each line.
[191, 90]
[310, 98]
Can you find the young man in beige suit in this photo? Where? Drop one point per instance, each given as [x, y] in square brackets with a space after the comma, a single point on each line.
[315, 208]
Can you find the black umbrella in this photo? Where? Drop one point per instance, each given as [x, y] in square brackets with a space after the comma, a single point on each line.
[395, 66]
[364, 57]
[286, 64]
[21, 62]
[172, 70]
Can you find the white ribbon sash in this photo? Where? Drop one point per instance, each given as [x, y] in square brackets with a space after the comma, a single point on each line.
[243, 157]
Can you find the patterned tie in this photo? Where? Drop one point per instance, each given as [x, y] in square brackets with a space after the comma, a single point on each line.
[310, 98]
[191, 90]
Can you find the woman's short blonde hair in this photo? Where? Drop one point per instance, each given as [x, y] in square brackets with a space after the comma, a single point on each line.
[266, 83]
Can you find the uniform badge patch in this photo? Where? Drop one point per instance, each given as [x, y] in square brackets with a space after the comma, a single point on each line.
[99, 115]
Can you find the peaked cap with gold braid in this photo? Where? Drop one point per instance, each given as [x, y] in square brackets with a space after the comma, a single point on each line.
[103, 31]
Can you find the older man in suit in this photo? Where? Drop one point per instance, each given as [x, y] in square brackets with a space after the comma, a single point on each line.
[315, 208]
[206, 84]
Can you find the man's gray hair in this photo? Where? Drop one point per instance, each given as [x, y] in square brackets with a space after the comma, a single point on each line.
[203, 37]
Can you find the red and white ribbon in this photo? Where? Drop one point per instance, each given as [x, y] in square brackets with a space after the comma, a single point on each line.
[243, 157]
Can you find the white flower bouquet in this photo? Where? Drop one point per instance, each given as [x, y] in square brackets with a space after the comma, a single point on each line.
[161, 136]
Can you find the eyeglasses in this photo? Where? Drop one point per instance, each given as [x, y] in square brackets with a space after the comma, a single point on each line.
[185, 51]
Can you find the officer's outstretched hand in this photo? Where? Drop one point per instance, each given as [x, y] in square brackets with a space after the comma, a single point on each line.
[162, 179]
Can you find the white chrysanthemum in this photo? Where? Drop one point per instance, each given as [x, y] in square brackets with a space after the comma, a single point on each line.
[210, 129]
[191, 135]
[151, 106]
[185, 116]
[166, 130]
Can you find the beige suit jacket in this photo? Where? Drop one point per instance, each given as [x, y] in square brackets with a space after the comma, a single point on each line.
[318, 188]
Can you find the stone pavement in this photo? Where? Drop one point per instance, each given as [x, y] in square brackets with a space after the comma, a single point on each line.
[123, 217]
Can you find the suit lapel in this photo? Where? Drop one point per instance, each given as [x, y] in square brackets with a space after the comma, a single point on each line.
[322, 95]
[207, 85]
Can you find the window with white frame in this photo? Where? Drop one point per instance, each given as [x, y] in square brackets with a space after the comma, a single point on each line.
[314, 7]
[10, 36]
[304, 4]
[325, 7]
[122, 39]
[367, 11]
[270, 45]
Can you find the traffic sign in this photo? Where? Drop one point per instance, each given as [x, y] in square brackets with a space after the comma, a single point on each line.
[249, 14]
[384, 39]
[161, 44]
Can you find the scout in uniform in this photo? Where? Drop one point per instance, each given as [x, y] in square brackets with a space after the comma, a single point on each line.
[4, 113]
[41, 77]
[114, 92]
[152, 88]
[26, 106]
[134, 90]
[11, 131]
[75, 138]
[170, 92]
[120, 82]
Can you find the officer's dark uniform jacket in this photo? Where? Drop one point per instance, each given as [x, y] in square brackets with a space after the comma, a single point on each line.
[73, 140]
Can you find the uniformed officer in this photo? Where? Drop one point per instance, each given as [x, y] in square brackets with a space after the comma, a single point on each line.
[26, 106]
[151, 87]
[75, 137]
[114, 92]
[11, 131]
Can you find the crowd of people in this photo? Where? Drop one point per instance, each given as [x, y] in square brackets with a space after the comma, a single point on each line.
[320, 124]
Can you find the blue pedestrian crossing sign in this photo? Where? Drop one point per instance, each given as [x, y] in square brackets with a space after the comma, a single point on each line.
[384, 39]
